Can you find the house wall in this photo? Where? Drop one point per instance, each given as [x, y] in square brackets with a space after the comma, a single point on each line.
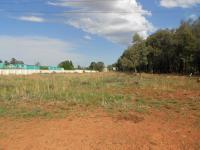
[30, 72]
[1, 65]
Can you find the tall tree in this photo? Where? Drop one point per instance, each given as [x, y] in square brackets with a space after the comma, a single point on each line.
[135, 57]
[67, 65]
[92, 66]
[99, 66]
[137, 38]
[15, 61]
[6, 62]
[161, 49]
[185, 46]
[165, 51]
[196, 31]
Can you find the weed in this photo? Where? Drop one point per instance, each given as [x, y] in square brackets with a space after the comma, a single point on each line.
[111, 91]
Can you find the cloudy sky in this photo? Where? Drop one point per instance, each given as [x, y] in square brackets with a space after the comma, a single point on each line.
[50, 31]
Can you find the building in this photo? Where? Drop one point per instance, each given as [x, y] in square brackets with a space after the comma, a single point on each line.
[28, 67]
[55, 68]
[2, 65]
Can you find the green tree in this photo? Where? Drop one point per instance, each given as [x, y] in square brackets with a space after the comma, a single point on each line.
[79, 67]
[165, 51]
[67, 65]
[161, 51]
[185, 42]
[196, 32]
[137, 38]
[92, 66]
[6, 62]
[99, 66]
[15, 61]
[135, 57]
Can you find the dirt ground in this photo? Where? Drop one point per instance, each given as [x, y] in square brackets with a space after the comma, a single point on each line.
[101, 131]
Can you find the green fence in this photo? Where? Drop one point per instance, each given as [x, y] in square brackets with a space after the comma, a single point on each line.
[54, 68]
[32, 67]
[28, 67]
[1, 65]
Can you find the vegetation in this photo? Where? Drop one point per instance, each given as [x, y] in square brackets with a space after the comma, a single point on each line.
[15, 61]
[58, 95]
[12, 61]
[43, 67]
[37, 64]
[99, 66]
[166, 51]
[67, 65]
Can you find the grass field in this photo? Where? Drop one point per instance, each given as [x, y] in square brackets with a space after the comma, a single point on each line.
[58, 94]
[165, 105]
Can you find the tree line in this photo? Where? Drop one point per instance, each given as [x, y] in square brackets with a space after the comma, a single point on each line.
[13, 61]
[165, 51]
[67, 65]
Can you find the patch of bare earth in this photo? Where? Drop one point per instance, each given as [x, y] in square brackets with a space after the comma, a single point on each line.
[101, 131]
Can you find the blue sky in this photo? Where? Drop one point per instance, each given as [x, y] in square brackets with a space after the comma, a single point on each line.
[50, 31]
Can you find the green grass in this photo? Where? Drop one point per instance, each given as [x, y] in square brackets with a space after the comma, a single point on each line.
[32, 96]
[3, 111]
[23, 112]
[143, 105]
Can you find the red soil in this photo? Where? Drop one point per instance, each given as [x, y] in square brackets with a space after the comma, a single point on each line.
[99, 131]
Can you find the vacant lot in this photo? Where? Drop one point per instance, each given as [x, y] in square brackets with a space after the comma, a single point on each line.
[99, 111]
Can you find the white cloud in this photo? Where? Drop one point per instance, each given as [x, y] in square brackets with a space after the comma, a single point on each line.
[179, 3]
[125, 18]
[31, 19]
[87, 37]
[193, 17]
[46, 50]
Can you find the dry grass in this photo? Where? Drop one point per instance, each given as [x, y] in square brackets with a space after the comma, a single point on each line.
[47, 95]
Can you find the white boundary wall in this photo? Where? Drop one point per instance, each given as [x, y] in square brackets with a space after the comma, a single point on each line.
[30, 72]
